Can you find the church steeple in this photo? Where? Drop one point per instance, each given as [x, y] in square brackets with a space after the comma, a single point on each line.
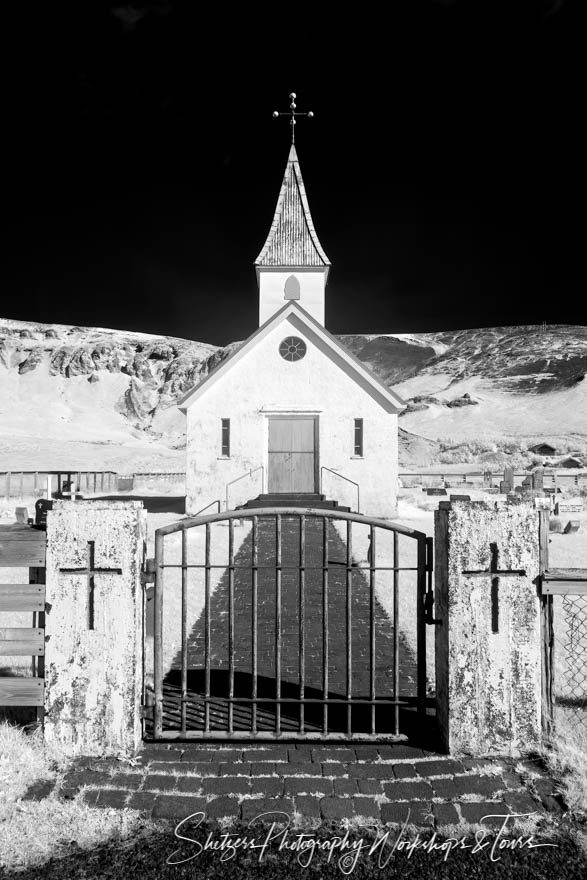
[292, 263]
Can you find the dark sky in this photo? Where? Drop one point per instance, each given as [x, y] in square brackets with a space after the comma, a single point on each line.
[442, 164]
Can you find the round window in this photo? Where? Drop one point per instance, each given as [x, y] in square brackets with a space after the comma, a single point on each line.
[292, 348]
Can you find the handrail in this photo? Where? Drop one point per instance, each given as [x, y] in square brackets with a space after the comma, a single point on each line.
[247, 474]
[207, 506]
[342, 477]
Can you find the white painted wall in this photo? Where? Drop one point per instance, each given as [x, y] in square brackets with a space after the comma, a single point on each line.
[262, 384]
[272, 295]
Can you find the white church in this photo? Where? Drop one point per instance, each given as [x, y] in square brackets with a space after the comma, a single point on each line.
[292, 415]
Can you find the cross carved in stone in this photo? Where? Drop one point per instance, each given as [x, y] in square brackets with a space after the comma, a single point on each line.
[495, 573]
[90, 570]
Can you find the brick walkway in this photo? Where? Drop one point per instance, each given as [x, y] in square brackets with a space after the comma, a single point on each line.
[319, 784]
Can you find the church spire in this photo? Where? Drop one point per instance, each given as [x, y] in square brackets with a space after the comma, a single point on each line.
[292, 263]
[292, 239]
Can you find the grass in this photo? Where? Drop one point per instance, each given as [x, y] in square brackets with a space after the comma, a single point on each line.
[566, 759]
[31, 832]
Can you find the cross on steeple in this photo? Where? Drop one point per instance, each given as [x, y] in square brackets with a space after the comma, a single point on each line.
[90, 571]
[496, 573]
[292, 113]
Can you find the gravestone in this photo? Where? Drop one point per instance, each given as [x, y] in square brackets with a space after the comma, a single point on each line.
[568, 507]
[573, 525]
[508, 478]
[538, 479]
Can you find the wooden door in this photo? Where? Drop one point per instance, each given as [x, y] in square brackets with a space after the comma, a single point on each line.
[292, 455]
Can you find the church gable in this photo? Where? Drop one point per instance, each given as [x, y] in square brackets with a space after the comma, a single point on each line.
[292, 335]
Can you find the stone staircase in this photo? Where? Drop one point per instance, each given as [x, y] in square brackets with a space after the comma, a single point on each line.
[293, 500]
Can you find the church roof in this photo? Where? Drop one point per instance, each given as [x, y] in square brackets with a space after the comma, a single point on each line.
[292, 239]
[302, 321]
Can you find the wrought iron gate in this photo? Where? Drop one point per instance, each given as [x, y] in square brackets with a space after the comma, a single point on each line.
[289, 623]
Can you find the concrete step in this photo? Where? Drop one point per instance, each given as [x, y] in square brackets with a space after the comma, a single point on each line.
[293, 500]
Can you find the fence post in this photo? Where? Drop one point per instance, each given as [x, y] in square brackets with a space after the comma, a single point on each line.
[94, 628]
[488, 644]
[547, 631]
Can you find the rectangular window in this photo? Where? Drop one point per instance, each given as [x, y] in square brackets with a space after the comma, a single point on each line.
[359, 437]
[225, 438]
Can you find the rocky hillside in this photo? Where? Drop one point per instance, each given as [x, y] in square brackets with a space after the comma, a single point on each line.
[159, 368]
[529, 359]
[115, 388]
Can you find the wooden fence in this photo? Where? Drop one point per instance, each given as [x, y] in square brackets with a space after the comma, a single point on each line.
[23, 547]
[477, 478]
[168, 479]
[24, 484]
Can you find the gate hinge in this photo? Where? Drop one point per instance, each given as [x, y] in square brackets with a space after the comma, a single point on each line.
[429, 610]
[148, 573]
[148, 705]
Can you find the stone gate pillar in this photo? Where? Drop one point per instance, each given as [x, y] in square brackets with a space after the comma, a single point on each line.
[94, 626]
[488, 644]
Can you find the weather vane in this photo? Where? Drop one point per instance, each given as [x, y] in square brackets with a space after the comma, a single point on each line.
[293, 114]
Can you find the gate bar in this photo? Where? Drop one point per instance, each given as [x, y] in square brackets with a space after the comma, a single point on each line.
[292, 567]
[278, 623]
[291, 511]
[158, 638]
[372, 647]
[388, 701]
[349, 627]
[287, 735]
[230, 623]
[396, 631]
[255, 574]
[302, 618]
[207, 631]
[421, 627]
[325, 624]
[184, 640]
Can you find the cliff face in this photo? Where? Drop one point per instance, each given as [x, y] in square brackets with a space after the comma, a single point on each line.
[528, 359]
[159, 369]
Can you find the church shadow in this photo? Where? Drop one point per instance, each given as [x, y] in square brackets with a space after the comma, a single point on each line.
[285, 670]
